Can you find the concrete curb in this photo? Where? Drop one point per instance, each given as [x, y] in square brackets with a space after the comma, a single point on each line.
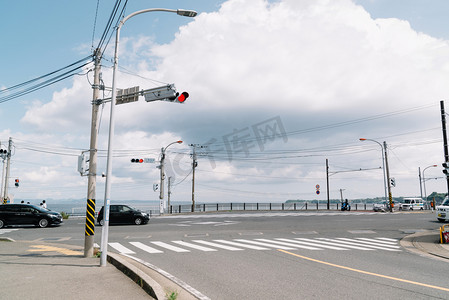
[150, 286]
[426, 243]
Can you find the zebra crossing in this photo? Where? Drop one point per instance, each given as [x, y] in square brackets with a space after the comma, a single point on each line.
[260, 244]
[4, 230]
[270, 214]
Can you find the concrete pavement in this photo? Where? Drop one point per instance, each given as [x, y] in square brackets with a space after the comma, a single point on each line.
[33, 270]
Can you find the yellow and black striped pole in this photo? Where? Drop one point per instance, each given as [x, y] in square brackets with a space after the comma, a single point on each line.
[90, 217]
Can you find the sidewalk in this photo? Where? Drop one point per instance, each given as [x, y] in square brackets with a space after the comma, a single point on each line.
[426, 243]
[33, 270]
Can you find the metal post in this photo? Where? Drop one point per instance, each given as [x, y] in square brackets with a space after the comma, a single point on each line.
[89, 233]
[169, 192]
[327, 182]
[8, 164]
[107, 194]
[387, 170]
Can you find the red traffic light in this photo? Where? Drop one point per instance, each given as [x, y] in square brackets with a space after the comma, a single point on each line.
[183, 97]
[137, 160]
[16, 182]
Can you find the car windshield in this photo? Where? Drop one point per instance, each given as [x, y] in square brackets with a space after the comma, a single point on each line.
[445, 202]
[407, 201]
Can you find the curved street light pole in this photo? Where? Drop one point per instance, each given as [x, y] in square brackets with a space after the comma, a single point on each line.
[383, 164]
[424, 180]
[162, 167]
[107, 194]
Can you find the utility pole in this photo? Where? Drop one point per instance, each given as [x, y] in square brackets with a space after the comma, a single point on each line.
[446, 151]
[327, 181]
[161, 185]
[8, 162]
[387, 170]
[194, 165]
[420, 181]
[92, 179]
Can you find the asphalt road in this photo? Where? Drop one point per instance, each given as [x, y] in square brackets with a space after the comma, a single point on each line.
[294, 255]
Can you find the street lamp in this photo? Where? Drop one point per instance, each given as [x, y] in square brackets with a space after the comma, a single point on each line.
[383, 163]
[161, 187]
[424, 180]
[107, 194]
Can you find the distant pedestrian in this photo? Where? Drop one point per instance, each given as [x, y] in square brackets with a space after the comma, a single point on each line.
[44, 205]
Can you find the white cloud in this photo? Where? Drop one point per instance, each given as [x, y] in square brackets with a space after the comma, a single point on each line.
[312, 63]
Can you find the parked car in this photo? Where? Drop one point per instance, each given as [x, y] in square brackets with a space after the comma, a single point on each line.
[123, 214]
[383, 206]
[27, 214]
[443, 211]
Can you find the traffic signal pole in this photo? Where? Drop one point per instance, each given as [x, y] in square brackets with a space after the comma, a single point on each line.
[8, 163]
[446, 151]
[89, 234]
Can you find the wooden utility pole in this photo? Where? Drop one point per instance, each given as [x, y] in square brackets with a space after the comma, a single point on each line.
[387, 170]
[91, 178]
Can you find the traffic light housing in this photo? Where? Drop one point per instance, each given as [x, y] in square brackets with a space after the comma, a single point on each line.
[393, 182]
[16, 183]
[137, 160]
[446, 168]
[183, 97]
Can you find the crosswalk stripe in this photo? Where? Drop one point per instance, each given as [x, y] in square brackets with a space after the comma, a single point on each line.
[145, 248]
[264, 244]
[170, 247]
[349, 241]
[387, 239]
[217, 245]
[380, 240]
[182, 243]
[335, 243]
[313, 244]
[120, 248]
[290, 244]
[241, 245]
[378, 243]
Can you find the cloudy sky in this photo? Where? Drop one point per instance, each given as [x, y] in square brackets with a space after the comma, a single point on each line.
[276, 88]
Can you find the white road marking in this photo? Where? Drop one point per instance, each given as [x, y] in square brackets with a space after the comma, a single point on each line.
[197, 247]
[217, 245]
[145, 248]
[170, 247]
[120, 248]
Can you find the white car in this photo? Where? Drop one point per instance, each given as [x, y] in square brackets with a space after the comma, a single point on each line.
[443, 211]
[382, 206]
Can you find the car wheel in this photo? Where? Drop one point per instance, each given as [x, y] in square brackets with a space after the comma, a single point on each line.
[2, 224]
[138, 221]
[101, 222]
[43, 223]
[441, 220]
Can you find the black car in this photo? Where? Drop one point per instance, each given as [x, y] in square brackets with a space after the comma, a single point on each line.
[123, 214]
[27, 214]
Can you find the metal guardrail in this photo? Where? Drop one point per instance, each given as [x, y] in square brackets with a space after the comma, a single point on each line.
[215, 207]
[153, 210]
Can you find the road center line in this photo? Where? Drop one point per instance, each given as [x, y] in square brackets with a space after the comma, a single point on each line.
[365, 272]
